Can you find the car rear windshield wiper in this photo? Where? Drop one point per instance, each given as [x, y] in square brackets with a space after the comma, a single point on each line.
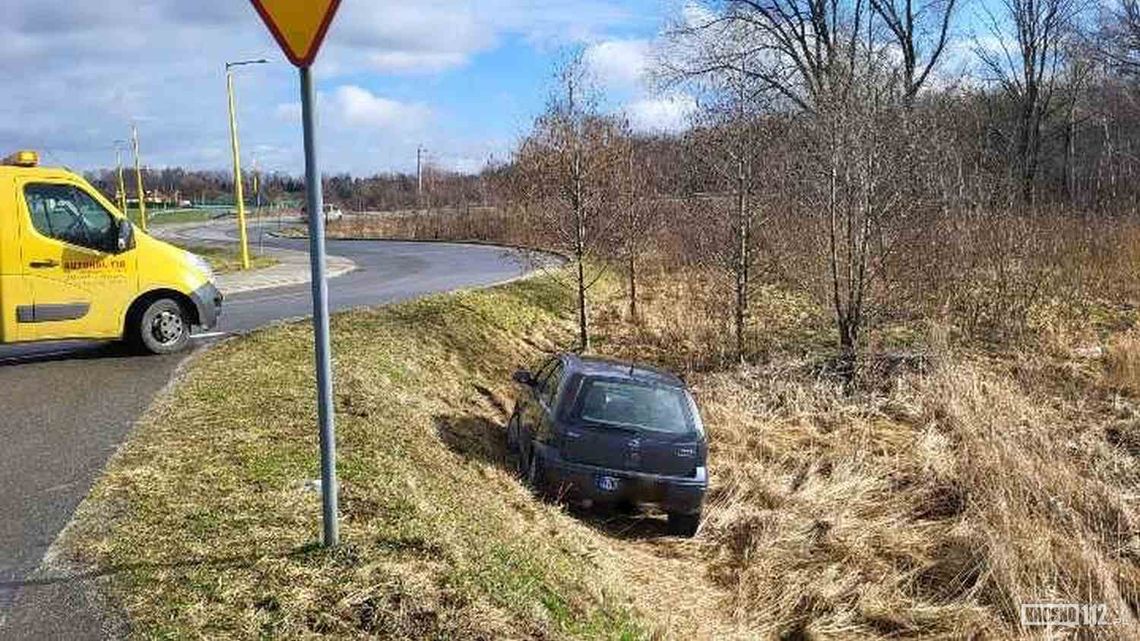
[616, 427]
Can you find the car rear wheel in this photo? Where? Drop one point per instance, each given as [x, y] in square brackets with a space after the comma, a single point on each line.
[163, 327]
[684, 524]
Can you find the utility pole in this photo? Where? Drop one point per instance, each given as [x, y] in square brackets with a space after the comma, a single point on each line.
[139, 177]
[256, 184]
[420, 175]
[257, 209]
[239, 196]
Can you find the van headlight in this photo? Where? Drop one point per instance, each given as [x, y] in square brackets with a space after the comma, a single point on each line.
[202, 265]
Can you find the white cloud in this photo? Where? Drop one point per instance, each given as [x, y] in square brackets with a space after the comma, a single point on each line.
[416, 62]
[409, 37]
[358, 107]
[79, 73]
[661, 114]
[622, 68]
[619, 64]
[429, 36]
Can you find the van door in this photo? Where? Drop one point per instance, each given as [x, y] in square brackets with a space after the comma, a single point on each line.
[13, 290]
[80, 286]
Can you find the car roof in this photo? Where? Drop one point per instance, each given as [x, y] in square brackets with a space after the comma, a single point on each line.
[614, 368]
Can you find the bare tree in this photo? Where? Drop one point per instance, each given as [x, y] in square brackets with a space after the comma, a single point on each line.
[799, 50]
[1118, 36]
[823, 59]
[732, 143]
[921, 32]
[723, 60]
[1028, 76]
[568, 168]
[856, 190]
[635, 210]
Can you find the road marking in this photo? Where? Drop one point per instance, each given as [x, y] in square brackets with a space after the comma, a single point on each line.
[208, 335]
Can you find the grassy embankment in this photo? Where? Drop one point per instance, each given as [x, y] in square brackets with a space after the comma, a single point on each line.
[207, 525]
[928, 500]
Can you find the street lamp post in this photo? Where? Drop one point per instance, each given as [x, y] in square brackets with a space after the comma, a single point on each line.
[121, 195]
[239, 197]
[139, 177]
[256, 184]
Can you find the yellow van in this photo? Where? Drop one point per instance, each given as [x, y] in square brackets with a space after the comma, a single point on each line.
[73, 267]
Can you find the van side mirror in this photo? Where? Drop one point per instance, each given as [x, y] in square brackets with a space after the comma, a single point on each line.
[523, 377]
[126, 236]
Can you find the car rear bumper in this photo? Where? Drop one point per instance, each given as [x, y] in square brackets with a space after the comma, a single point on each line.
[678, 494]
[208, 301]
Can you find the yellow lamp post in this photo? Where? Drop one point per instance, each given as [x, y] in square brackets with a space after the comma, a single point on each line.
[239, 196]
[139, 178]
[121, 195]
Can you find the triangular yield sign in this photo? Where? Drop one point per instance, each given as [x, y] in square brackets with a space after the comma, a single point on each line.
[298, 25]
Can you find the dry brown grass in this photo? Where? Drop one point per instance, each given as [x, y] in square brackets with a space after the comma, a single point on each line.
[1122, 363]
[931, 510]
[922, 503]
[488, 224]
[929, 500]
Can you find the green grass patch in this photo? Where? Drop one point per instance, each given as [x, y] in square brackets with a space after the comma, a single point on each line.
[172, 216]
[208, 526]
[226, 259]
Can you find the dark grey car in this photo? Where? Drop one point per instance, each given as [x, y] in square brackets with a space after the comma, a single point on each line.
[606, 431]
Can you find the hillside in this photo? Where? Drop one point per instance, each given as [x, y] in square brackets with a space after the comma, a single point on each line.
[927, 503]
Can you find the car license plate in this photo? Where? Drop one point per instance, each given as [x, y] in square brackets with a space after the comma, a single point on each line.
[607, 483]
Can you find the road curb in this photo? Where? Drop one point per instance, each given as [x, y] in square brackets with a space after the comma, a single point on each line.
[293, 267]
[435, 241]
[61, 568]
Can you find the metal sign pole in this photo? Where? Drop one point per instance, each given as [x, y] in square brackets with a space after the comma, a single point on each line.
[320, 313]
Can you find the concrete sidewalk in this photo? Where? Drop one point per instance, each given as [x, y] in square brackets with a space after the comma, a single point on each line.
[292, 267]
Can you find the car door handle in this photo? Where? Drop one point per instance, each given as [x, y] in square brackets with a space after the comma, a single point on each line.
[43, 264]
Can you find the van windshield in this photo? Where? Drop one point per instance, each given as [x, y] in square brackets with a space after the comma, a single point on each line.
[636, 405]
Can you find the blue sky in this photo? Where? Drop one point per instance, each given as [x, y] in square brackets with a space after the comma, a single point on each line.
[464, 78]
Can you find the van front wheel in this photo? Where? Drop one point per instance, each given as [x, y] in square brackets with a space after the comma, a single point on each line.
[163, 327]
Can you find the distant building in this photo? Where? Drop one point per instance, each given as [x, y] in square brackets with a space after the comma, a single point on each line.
[156, 198]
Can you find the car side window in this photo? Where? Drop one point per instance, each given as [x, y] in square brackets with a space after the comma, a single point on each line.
[69, 214]
[543, 374]
[550, 386]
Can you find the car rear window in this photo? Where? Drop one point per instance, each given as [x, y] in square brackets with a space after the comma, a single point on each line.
[632, 404]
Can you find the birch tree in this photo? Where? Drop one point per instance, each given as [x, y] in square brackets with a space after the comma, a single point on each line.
[567, 167]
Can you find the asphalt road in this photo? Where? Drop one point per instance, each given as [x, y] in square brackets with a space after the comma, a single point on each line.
[66, 407]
